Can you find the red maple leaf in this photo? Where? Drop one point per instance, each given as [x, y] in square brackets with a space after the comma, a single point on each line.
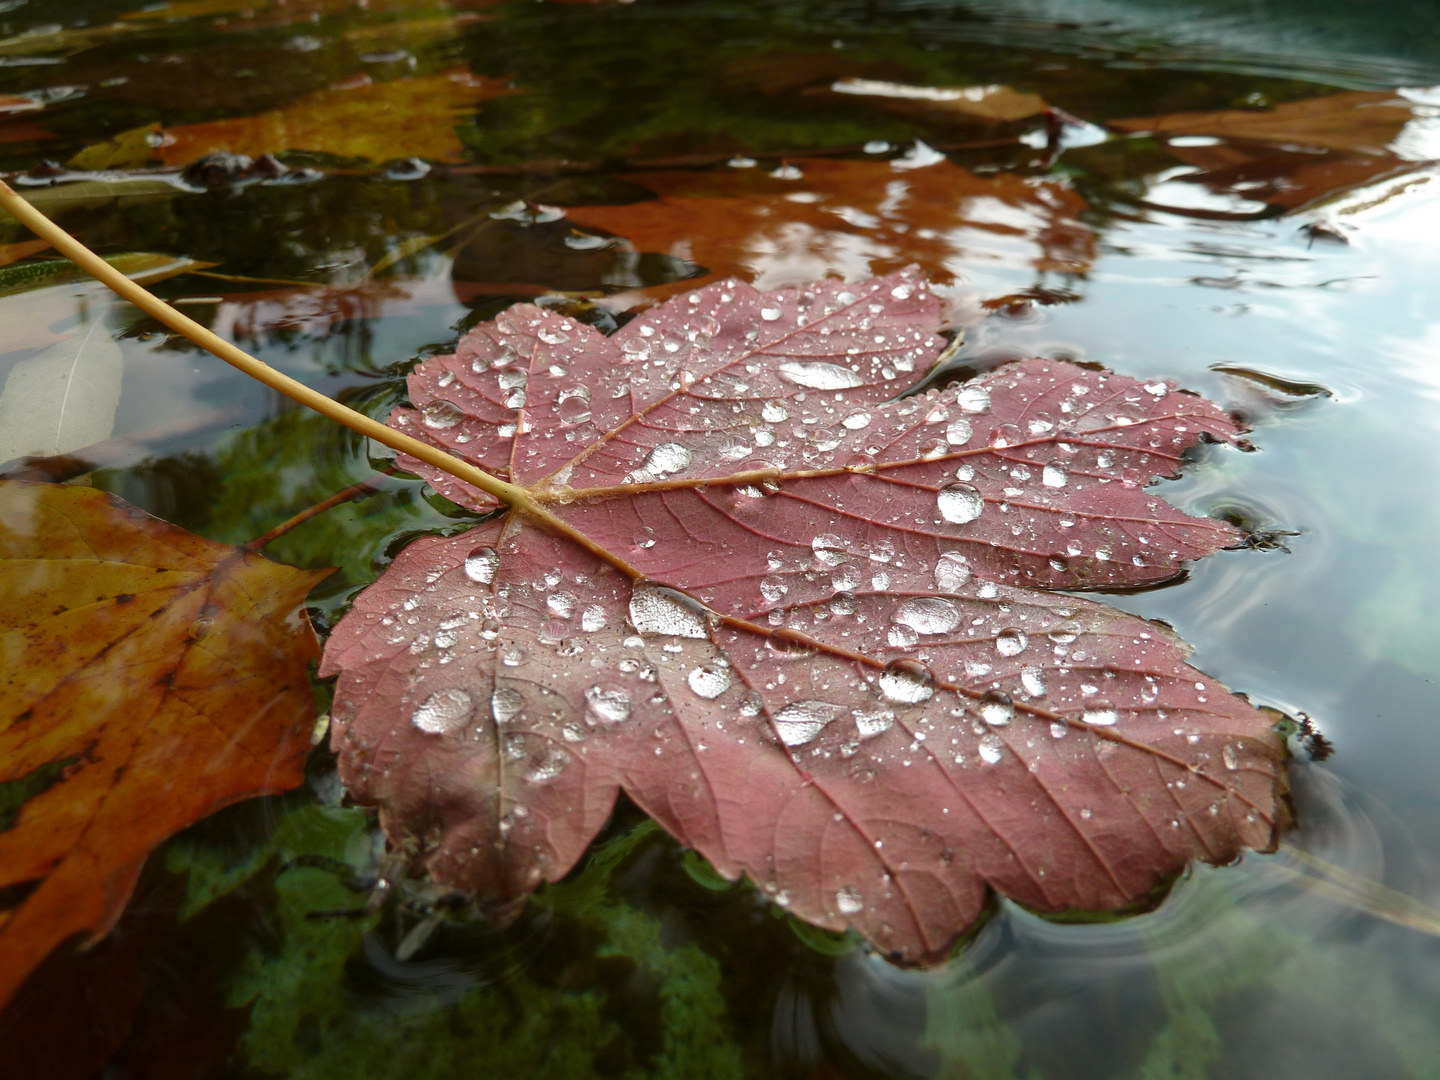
[804, 624]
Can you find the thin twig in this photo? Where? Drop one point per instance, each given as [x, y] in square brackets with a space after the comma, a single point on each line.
[510, 494]
[354, 491]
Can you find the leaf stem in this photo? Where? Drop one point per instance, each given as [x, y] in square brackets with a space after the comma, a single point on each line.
[511, 494]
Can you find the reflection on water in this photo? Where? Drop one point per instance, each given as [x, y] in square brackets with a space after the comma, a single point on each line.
[1271, 247]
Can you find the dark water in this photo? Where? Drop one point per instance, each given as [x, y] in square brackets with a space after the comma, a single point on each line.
[644, 965]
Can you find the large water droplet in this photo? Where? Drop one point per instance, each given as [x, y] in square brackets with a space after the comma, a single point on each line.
[610, 705]
[665, 459]
[848, 901]
[561, 604]
[952, 571]
[959, 432]
[506, 704]
[996, 708]
[800, 721]
[709, 681]
[959, 503]
[659, 609]
[829, 549]
[907, 682]
[1055, 475]
[481, 564]
[974, 399]
[773, 412]
[991, 749]
[1100, 714]
[441, 414]
[876, 723]
[1033, 680]
[1011, 641]
[593, 618]
[928, 615]
[770, 314]
[443, 711]
[820, 376]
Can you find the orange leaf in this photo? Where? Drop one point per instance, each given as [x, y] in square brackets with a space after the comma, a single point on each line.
[379, 121]
[152, 677]
[850, 217]
[10, 253]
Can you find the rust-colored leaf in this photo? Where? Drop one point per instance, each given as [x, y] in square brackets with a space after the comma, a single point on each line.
[805, 625]
[150, 678]
[357, 118]
[1296, 153]
[821, 216]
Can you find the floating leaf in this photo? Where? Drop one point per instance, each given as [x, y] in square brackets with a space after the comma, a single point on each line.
[146, 267]
[356, 119]
[151, 677]
[851, 217]
[995, 103]
[1293, 154]
[798, 621]
[64, 398]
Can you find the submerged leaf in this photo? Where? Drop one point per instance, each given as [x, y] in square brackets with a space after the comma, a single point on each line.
[815, 216]
[798, 621]
[356, 119]
[64, 398]
[165, 674]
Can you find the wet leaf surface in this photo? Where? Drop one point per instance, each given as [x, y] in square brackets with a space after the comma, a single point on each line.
[800, 622]
[158, 676]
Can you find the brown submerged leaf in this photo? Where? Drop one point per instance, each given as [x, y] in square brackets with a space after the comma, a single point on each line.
[150, 678]
[357, 119]
[821, 216]
[798, 620]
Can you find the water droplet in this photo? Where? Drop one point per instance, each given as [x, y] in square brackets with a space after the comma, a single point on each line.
[952, 571]
[820, 376]
[1033, 680]
[593, 618]
[871, 724]
[974, 399]
[659, 609]
[907, 682]
[441, 414]
[1058, 729]
[1227, 754]
[1055, 475]
[959, 432]
[443, 711]
[551, 336]
[959, 503]
[665, 459]
[829, 549]
[709, 681]
[996, 708]
[1063, 633]
[549, 767]
[848, 901]
[773, 589]
[1011, 641]
[991, 749]
[573, 405]
[857, 420]
[506, 704]
[481, 564]
[561, 604]
[770, 314]
[774, 412]
[928, 615]
[902, 637]
[1100, 714]
[844, 603]
[1005, 435]
[610, 705]
[800, 721]
[636, 349]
